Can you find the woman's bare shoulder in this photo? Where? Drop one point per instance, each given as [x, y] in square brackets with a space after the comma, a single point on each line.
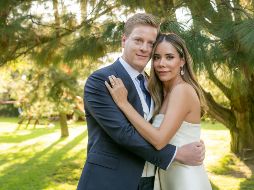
[184, 89]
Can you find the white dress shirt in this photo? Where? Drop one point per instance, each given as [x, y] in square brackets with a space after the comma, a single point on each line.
[149, 169]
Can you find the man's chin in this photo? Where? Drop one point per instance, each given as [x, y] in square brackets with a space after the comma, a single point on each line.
[143, 62]
[139, 66]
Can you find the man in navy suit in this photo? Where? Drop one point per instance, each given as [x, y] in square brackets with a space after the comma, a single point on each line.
[116, 153]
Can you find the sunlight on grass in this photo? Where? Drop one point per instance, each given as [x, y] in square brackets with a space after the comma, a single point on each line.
[227, 182]
[217, 142]
[225, 170]
[39, 159]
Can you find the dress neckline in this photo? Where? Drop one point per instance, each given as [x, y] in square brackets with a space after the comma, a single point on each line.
[162, 114]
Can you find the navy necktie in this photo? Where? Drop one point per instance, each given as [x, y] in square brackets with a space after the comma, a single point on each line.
[143, 88]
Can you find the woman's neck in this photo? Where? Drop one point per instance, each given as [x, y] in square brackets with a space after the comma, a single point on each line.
[169, 85]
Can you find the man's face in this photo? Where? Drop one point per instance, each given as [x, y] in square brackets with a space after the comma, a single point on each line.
[138, 46]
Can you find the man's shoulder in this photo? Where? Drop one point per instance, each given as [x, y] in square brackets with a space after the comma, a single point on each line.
[105, 71]
[102, 72]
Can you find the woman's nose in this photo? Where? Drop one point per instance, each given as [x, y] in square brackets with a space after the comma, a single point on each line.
[162, 62]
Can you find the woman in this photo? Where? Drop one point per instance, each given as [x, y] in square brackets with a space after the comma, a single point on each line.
[177, 98]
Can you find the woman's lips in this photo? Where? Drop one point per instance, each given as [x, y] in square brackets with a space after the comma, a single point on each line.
[163, 72]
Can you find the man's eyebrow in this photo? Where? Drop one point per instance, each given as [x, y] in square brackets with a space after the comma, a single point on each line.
[164, 54]
[136, 36]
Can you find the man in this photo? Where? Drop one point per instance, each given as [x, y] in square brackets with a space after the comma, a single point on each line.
[116, 152]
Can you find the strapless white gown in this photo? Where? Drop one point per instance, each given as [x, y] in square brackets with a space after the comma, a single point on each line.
[179, 176]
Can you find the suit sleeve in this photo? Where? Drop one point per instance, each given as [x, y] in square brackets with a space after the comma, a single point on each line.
[101, 106]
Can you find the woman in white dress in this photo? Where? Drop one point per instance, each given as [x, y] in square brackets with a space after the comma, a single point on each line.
[178, 99]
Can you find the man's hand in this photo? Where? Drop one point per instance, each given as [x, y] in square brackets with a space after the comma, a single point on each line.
[191, 154]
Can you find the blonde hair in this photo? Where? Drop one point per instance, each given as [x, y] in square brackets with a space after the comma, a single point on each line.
[155, 85]
[140, 19]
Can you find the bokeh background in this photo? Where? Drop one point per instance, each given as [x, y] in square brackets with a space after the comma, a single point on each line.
[49, 47]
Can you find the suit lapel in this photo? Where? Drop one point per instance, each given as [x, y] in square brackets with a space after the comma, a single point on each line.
[133, 96]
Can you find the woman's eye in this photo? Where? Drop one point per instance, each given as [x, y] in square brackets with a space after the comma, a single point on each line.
[155, 57]
[169, 57]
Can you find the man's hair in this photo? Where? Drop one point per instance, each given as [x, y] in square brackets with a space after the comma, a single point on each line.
[141, 19]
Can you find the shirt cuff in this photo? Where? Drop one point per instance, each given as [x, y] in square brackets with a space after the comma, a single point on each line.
[172, 158]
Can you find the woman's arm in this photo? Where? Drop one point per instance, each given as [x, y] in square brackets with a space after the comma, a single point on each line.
[174, 116]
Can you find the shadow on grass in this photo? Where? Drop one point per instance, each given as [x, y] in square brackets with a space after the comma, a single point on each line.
[15, 154]
[248, 184]
[228, 167]
[214, 187]
[69, 166]
[38, 172]
[9, 119]
[16, 137]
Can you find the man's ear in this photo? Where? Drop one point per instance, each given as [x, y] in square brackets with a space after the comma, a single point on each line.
[123, 40]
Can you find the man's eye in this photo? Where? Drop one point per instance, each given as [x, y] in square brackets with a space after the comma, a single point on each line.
[151, 44]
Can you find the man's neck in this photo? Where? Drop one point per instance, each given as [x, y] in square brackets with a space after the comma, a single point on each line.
[126, 61]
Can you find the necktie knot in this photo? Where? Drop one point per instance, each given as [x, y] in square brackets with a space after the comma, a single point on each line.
[141, 79]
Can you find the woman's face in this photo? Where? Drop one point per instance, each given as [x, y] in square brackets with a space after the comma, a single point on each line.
[167, 62]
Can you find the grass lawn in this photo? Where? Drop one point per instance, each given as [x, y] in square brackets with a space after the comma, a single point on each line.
[225, 170]
[37, 159]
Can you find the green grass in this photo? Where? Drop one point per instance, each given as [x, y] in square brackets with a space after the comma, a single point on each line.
[37, 159]
[34, 159]
[225, 170]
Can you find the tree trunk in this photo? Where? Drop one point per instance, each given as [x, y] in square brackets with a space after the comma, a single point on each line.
[63, 125]
[239, 119]
[242, 143]
[241, 106]
[56, 15]
[241, 127]
[83, 8]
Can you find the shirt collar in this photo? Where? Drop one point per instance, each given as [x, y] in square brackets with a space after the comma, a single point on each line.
[130, 70]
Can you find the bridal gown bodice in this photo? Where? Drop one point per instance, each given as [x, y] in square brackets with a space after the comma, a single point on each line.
[179, 176]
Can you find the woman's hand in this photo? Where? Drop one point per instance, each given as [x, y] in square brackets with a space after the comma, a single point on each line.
[117, 90]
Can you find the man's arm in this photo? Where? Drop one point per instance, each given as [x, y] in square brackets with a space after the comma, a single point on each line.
[191, 154]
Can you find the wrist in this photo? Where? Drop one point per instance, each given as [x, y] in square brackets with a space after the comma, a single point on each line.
[123, 105]
[179, 156]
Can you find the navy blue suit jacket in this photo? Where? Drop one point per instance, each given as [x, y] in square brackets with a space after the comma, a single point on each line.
[116, 152]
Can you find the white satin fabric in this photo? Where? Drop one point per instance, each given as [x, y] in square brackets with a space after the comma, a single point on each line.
[180, 176]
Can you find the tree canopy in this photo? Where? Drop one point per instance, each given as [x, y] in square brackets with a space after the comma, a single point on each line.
[219, 35]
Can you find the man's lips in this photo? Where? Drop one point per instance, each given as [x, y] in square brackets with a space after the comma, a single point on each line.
[142, 56]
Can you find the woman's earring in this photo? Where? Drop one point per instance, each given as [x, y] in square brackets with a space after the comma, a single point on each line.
[182, 71]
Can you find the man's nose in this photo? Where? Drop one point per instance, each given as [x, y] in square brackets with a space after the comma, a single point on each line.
[144, 47]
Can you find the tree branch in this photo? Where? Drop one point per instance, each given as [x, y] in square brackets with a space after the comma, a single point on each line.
[43, 40]
[220, 113]
[217, 82]
[234, 9]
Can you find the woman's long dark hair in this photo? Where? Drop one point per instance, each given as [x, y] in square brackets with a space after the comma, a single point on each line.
[155, 85]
